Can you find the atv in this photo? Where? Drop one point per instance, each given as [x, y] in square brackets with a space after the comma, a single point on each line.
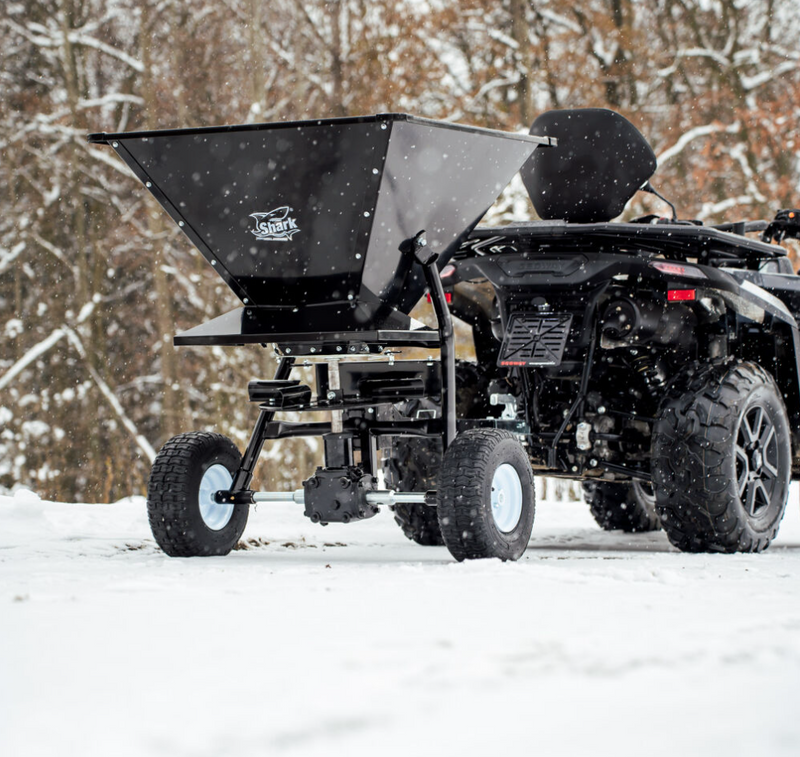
[655, 360]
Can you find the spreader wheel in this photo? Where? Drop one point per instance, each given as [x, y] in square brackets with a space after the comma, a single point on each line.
[411, 464]
[486, 496]
[185, 519]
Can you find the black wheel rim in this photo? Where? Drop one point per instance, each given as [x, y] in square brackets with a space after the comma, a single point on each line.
[757, 460]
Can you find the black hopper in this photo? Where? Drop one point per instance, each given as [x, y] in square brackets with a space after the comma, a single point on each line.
[600, 162]
[310, 222]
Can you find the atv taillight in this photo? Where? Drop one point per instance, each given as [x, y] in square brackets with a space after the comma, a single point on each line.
[680, 295]
[674, 269]
[447, 295]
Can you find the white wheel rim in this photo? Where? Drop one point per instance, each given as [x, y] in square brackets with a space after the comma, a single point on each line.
[506, 497]
[214, 515]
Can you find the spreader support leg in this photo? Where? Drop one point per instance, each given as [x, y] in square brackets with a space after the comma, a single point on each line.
[427, 259]
[243, 477]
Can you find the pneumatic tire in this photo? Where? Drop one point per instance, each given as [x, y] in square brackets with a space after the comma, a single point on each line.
[411, 463]
[184, 518]
[486, 496]
[721, 458]
[629, 507]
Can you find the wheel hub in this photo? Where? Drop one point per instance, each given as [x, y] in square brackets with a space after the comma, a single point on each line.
[506, 497]
[215, 515]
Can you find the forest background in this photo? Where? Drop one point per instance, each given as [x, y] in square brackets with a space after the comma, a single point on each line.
[95, 279]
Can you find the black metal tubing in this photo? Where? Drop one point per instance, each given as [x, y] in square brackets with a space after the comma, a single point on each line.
[447, 348]
[244, 475]
[347, 404]
[287, 429]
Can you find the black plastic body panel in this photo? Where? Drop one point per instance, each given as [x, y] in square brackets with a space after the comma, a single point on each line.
[786, 287]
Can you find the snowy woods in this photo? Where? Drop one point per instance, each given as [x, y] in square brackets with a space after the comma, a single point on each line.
[95, 279]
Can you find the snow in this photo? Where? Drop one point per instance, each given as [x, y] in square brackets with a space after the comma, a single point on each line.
[350, 640]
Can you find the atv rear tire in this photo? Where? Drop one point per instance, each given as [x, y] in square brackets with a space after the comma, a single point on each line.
[486, 496]
[629, 507]
[412, 467]
[184, 517]
[411, 464]
[722, 458]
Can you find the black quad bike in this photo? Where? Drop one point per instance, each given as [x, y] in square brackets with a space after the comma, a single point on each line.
[655, 360]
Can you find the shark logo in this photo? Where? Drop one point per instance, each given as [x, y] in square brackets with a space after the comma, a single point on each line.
[274, 226]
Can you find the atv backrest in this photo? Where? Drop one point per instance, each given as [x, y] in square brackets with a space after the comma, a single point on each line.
[600, 162]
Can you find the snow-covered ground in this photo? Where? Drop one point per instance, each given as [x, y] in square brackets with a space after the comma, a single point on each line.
[350, 640]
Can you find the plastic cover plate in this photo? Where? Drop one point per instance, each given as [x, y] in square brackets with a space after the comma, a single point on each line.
[533, 339]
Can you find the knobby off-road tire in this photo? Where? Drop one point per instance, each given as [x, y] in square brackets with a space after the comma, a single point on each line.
[629, 507]
[184, 519]
[486, 496]
[412, 467]
[721, 458]
[411, 464]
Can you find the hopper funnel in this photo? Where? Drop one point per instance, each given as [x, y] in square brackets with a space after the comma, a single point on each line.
[315, 214]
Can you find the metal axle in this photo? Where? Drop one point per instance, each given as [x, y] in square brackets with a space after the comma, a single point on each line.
[380, 497]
